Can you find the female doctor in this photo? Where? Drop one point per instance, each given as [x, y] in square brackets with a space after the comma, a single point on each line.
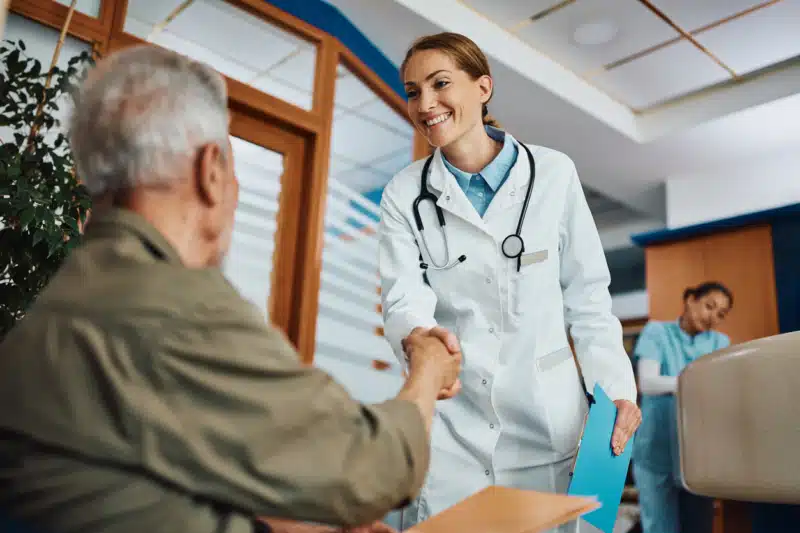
[493, 241]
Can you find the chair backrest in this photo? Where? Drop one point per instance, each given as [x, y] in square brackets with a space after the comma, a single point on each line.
[739, 422]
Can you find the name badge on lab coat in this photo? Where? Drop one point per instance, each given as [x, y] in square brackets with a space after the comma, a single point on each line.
[533, 257]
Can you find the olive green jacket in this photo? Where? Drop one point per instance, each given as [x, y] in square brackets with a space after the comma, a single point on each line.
[139, 395]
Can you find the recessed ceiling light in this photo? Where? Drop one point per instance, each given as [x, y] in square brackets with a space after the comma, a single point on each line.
[595, 33]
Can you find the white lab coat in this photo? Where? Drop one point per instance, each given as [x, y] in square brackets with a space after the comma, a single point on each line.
[518, 418]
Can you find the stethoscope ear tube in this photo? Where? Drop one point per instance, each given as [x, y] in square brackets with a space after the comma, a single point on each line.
[424, 194]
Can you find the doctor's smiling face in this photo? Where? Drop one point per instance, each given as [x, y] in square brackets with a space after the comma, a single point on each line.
[447, 81]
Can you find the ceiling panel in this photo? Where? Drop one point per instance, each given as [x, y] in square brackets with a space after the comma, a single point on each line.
[773, 35]
[358, 140]
[508, 13]
[301, 98]
[380, 112]
[667, 73]
[298, 69]
[87, 7]
[351, 92]
[193, 50]
[637, 29]
[693, 14]
[148, 11]
[224, 28]
[273, 60]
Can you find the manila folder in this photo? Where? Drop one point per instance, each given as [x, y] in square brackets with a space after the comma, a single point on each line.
[506, 510]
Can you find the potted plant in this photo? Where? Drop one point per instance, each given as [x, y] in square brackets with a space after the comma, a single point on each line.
[42, 204]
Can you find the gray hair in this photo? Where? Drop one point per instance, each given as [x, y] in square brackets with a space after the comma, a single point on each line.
[141, 114]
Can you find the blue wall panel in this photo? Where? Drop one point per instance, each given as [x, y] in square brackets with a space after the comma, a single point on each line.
[786, 250]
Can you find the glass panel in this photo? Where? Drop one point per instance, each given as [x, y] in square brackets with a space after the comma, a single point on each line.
[236, 43]
[87, 7]
[370, 143]
[249, 262]
[40, 42]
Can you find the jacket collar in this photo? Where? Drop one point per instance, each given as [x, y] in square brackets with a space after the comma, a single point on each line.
[116, 222]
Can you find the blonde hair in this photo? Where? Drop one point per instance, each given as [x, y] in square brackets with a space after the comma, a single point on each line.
[464, 52]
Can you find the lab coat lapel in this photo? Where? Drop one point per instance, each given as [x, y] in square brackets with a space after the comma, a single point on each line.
[451, 197]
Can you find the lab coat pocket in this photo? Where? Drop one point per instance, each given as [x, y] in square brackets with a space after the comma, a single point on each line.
[561, 392]
[533, 283]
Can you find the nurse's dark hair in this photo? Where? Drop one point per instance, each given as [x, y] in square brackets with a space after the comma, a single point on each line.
[706, 288]
[466, 54]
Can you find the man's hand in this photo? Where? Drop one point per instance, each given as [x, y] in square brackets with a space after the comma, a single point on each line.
[629, 416]
[449, 339]
[440, 347]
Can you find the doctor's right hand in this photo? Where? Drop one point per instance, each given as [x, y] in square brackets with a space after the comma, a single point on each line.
[435, 350]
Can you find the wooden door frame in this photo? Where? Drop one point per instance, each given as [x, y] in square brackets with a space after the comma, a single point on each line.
[283, 269]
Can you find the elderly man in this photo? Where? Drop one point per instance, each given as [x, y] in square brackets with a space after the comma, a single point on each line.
[142, 393]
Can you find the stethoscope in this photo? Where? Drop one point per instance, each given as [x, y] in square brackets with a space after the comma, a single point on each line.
[512, 247]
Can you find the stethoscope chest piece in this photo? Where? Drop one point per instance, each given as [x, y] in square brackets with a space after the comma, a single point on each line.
[512, 246]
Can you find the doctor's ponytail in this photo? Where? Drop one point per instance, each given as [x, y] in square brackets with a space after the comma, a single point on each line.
[488, 119]
[464, 52]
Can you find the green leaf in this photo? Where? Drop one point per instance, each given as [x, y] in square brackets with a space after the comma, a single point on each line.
[27, 216]
[38, 236]
[36, 70]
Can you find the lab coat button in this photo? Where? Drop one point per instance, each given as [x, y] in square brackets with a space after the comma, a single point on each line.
[484, 382]
[491, 426]
[447, 197]
[513, 193]
[488, 280]
[486, 472]
[491, 330]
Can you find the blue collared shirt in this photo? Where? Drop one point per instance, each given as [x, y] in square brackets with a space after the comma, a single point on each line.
[480, 188]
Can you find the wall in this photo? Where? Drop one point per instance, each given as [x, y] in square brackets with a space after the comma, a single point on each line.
[694, 199]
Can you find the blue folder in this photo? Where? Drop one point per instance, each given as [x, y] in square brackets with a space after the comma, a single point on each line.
[598, 472]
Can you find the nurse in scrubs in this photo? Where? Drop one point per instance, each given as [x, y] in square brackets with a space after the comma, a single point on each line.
[662, 351]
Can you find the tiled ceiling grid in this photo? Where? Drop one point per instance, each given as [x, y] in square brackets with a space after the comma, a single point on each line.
[370, 141]
[652, 51]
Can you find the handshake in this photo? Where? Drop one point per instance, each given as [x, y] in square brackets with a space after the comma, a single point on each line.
[435, 353]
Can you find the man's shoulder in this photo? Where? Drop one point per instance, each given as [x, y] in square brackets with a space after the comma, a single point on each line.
[109, 287]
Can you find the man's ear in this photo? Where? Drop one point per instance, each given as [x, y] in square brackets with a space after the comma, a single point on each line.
[209, 175]
[486, 86]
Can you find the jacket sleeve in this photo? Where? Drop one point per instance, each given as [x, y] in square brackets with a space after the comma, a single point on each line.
[240, 421]
[406, 301]
[585, 279]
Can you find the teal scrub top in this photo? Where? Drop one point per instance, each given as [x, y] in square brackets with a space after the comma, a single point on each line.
[656, 443]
